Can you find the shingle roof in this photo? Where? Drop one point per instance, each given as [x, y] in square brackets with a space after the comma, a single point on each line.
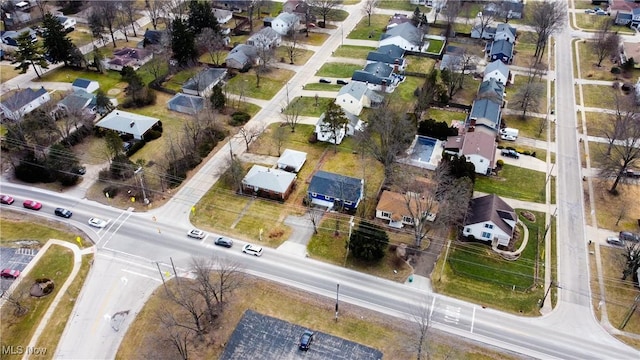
[406, 31]
[358, 90]
[480, 143]
[127, 122]
[292, 158]
[505, 28]
[392, 50]
[77, 100]
[499, 66]
[21, 98]
[491, 208]
[267, 33]
[269, 179]
[485, 108]
[153, 37]
[502, 47]
[195, 103]
[379, 68]
[384, 58]
[336, 186]
[492, 89]
[396, 204]
[81, 83]
[132, 53]
[204, 78]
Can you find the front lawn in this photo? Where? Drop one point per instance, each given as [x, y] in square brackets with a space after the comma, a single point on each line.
[597, 96]
[364, 31]
[270, 83]
[591, 22]
[108, 80]
[400, 5]
[514, 182]
[590, 70]
[322, 87]
[528, 126]
[353, 51]
[42, 231]
[309, 108]
[338, 70]
[301, 57]
[8, 72]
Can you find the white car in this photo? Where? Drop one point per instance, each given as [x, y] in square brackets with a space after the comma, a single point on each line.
[196, 234]
[252, 250]
[99, 223]
[508, 137]
[614, 240]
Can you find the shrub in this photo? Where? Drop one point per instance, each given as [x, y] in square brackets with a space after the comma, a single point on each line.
[500, 163]
[615, 70]
[137, 145]
[526, 152]
[533, 154]
[313, 138]
[239, 118]
[111, 191]
[152, 135]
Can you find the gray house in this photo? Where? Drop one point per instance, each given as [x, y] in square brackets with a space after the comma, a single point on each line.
[186, 104]
[265, 38]
[406, 36]
[491, 89]
[389, 54]
[485, 114]
[242, 57]
[497, 70]
[202, 83]
[501, 50]
[268, 182]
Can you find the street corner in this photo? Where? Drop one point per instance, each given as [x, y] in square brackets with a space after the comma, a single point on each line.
[419, 282]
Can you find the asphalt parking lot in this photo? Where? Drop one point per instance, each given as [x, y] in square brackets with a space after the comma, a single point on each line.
[14, 258]
[262, 337]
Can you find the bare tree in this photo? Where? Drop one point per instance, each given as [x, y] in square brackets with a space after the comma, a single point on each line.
[623, 137]
[155, 10]
[250, 133]
[368, 8]
[547, 18]
[313, 214]
[266, 55]
[178, 337]
[291, 114]
[606, 41]
[632, 261]
[42, 6]
[324, 7]
[292, 47]
[451, 12]
[17, 301]
[485, 19]
[454, 73]
[421, 314]
[128, 8]
[107, 13]
[278, 136]
[211, 42]
[216, 280]
[185, 296]
[528, 96]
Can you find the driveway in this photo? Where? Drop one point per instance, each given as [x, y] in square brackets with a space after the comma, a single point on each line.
[302, 230]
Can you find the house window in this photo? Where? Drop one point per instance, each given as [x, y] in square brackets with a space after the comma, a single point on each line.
[488, 226]
[486, 235]
[468, 230]
[314, 194]
[481, 160]
[327, 197]
[407, 219]
[347, 202]
[385, 214]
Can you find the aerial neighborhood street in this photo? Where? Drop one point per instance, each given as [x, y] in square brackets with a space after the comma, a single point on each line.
[354, 179]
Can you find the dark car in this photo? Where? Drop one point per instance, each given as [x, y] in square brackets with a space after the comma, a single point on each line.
[222, 241]
[6, 199]
[325, 81]
[81, 170]
[63, 212]
[629, 236]
[32, 204]
[510, 153]
[632, 173]
[341, 82]
[305, 340]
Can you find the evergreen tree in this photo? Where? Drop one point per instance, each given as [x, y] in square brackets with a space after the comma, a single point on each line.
[183, 43]
[29, 53]
[103, 103]
[368, 242]
[335, 122]
[201, 16]
[218, 100]
[56, 42]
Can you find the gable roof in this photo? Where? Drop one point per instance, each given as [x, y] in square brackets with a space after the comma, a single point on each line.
[479, 143]
[82, 83]
[501, 47]
[406, 31]
[379, 69]
[336, 186]
[287, 18]
[499, 66]
[204, 78]
[269, 179]
[132, 53]
[367, 77]
[127, 122]
[492, 89]
[21, 98]
[352, 119]
[358, 90]
[191, 102]
[502, 27]
[153, 37]
[384, 57]
[396, 204]
[491, 208]
[391, 50]
[292, 158]
[485, 108]
[265, 32]
[77, 100]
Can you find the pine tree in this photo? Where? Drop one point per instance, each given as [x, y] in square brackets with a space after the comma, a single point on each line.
[56, 42]
[29, 53]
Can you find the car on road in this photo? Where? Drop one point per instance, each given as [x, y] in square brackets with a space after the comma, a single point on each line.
[99, 223]
[6, 199]
[63, 212]
[32, 204]
[223, 241]
[252, 250]
[10, 273]
[341, 82]
[325, 81]
[614, 240]
[196, 234]
[508, 137]
[629, 236]
[305, 340]
[632, 173]
[510, 153]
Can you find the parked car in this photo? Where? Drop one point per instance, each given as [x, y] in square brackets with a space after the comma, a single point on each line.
[6, 199]
[589, 11]
[629, 236]
[614, 240]
[632, 173]
[10, 273]
[99, 223]
[325, 81]
[223, 241]
[508, 137]
[32, 204]
[510, 153]
[252, 250]
[601, 12]
[196, 234]
[81, 170]
[63, 212]
[305, 340]
[341, 82]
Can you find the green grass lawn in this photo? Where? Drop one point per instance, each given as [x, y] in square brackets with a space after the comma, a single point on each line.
[270, 83]
[405, 90]
[469, 90]
[591, 22]
[322, 87]
[598, 96]
[108, 80]
[176, 81]
[336, 15]
[41, 231]
[400, 5]
[363, 31]
[314, 38]
[445, 115]
[352, 51]
[590, 70]
[339, 70]
[301, 58]
[596, 122]
[309, 108]
[80, 36]
[529, 126]
[435, 46]
[419, 64]
[509, 183]
[8, 72]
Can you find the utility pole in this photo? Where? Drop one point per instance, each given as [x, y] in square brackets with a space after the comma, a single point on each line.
[140, 171]
[348, 241]
[337, 294]
[551, 284]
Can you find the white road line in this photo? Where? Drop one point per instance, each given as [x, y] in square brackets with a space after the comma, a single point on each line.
[473, 319]
[141, 275]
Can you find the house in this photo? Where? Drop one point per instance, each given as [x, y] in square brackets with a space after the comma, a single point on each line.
[233, 5]
[68, 23]
[490, 219]
[131, 57]
[497, 70]
[406, 36]
[393, 207]
[630, 50]
[397, 19]
[479, 148]
[223, 16]
[453, 145]
[23, 102]
[355, 96]
[152, 38]
[269, 183]
[81, 84]
[501, 50]
[627, 12]
[491, 89]
[378, 76]
[292, 160]
[242, 57]
[324, 133]
[202, 83]
[508, 9]
[128, 123]
[186, 104]
[623, 18]
[505, 32]
[488, 33]
[296, 7]
[388, 54]
[11, 37]
[486, 114]
[78, 101]
[285, 22]
[266, 38]
[334, 190]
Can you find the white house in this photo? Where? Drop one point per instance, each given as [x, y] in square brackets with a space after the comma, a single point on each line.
[324, 132]
[23, 102]
[406, 36]
[202, 83]
[393, 207]
[292, 160]
[285, 22]
[68, 23]
[266, 38]
[497, 70]
[81, 84]
[355, 96]
[505, 32]
[223, 16]
[488, 33]
[267, 182]
[479, 148]
[128, 123]
[490, 219]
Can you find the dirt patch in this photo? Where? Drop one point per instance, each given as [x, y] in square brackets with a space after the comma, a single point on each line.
[528, 215]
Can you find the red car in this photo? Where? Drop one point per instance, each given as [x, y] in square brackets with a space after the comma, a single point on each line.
[6, 199]
[10, 273]
[32, 204]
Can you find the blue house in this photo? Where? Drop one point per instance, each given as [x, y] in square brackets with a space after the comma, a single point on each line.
[485, 114]
[81, 84]
[334, 190]
[501, 50]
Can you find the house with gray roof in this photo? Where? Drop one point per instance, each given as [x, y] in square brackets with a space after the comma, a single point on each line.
[490, 219]
[406, 36]
[285, 22]
[488, 33]
[11, 37]
[202, 83]
[291, 160]
[389, 54]
[501, 50]
[128, 123]
[132, 57]
[81, 84]
[485, 113]
[266, 38]
[378, 76]
[331, 190]
[479, 148]
[505, 32]
[324, 132]
[507, 9]
[267, 182]
[242, 57]
[491, 89]
[186, 104]
[23, 102]
[355, 96]
[78, 101]
[497, 70]
[222, 16]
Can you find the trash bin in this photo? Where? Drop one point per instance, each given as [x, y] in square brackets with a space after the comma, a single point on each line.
[410, 278]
